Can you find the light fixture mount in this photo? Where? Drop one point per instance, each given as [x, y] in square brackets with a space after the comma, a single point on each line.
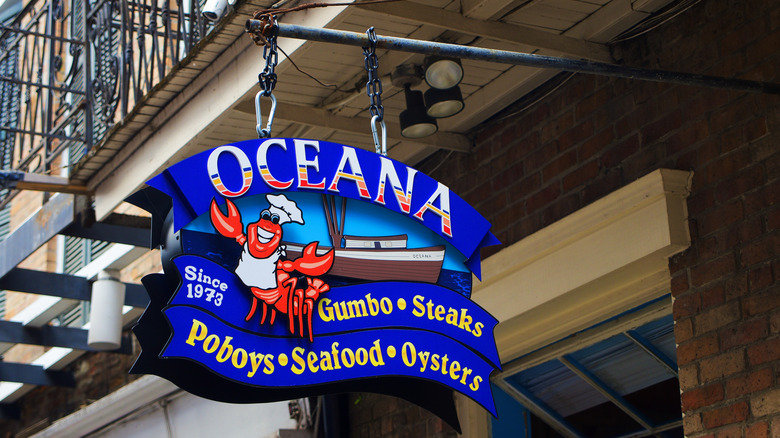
[407, 74]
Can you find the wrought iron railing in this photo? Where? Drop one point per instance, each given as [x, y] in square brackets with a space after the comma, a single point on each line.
[71, 69]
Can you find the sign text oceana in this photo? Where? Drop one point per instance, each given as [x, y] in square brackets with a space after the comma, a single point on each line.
[349, 169]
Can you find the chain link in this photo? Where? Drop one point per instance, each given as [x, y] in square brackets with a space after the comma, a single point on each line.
[374, 92]
[267, 78]
[374, 84]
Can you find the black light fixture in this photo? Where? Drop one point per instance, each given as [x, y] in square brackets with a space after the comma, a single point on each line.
[444, 103]
[443, 72]
[415, 121]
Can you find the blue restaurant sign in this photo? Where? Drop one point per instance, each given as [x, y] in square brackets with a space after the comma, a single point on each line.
[300, 267]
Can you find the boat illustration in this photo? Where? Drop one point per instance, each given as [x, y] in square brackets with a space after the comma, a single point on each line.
[380, 258]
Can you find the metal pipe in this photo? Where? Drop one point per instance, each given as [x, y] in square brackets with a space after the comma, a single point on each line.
[515, 58]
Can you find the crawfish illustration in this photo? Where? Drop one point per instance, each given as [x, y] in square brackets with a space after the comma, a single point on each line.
[262, 268]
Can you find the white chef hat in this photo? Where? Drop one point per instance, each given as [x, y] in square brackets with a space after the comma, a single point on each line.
[287, 210]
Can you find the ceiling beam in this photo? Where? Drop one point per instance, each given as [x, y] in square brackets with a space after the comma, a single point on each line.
[325, 119]
[40, 183]
[489, 9]
[527, 36]
[35, 375]
[65, 286]
[129, 235]
[51, 336]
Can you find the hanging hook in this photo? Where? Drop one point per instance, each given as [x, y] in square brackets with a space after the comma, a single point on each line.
[383, 148]
[264, 133]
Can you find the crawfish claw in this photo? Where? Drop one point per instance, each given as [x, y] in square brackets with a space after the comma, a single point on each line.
[230, 225]
[309, 263]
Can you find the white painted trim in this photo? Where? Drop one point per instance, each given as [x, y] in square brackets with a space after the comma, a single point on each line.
[42, 310]
[597, 262]
[474, 419]
[115, 258]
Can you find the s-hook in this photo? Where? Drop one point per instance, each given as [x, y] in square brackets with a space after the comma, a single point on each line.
[267, 80]
[261, 132]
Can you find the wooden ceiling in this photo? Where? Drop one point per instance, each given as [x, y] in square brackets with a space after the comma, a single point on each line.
[565, 28]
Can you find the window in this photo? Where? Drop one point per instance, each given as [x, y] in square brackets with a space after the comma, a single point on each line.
[622, 383]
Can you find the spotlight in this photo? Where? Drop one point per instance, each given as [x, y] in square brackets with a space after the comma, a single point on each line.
[444, 103]
[415, 122]
[443, 73]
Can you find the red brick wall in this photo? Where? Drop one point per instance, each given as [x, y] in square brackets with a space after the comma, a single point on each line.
[533, 166]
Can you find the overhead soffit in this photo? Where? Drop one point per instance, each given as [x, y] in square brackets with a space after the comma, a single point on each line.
[569, 28]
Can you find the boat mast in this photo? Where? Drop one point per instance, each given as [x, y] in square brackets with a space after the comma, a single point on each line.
[336, 232]
[343, 215]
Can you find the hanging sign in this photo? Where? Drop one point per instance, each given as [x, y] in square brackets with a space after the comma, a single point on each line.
[296, 267]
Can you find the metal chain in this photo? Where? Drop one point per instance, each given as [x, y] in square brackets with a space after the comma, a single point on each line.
[373, 85]
[267, 81]
[374, 92]
[271, 55]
